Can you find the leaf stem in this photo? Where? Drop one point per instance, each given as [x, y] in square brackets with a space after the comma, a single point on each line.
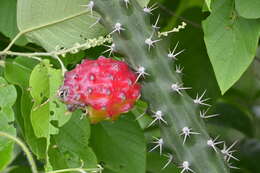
[13, 41]
[63, 68]
[24, 148]
[41, 26]
[81, 170]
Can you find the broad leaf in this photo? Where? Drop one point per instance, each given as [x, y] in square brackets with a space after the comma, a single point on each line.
[248, 8]
[58, 23]
[231, 42]
[7, 99]
[18, 72]
[119, 145]
[52, 23]
[47, 111]
[8, 23]
[69, 149]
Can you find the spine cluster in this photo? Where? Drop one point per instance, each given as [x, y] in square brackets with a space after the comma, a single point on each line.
[178, 115]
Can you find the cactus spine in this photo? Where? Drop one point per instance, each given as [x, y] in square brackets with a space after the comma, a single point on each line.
[183, 130]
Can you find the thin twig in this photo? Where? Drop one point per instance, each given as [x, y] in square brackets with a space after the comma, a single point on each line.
[24, 148]
[27, 47]
[26, 54]
[63, 68]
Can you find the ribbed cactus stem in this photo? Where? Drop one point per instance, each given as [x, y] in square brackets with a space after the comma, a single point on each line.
[184, 131]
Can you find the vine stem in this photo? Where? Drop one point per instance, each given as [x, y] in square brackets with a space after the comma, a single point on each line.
[88, 44]
[24, 148]
[33, 55]
[63, 68]
[55, 54]
[77, 169]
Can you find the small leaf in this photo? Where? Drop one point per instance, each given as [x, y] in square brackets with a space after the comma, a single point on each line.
[7, 99]
[18, 72]
[48, 113]
[248, 8]
[139, 111]
[7, 94]
[231, 42]
[119, 145]
[69, 149]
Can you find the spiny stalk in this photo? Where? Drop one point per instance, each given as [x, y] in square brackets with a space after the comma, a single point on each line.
[179, 118]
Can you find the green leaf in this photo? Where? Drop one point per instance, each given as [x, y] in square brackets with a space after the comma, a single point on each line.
[48, 113]
[139, 111]
[8, 23]
[69, 149]
[248, 8]
[119, 145]
[20, 169]
[18, 72]
[208, 3]
[6, 155]
[231, 42]
[7, 94]
[62, 23]
[52, 23]
[7, 99]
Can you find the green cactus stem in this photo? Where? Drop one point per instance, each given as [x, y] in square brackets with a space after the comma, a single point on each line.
[183, 132]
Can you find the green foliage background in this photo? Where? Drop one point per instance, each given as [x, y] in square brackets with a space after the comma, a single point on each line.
[222, 55]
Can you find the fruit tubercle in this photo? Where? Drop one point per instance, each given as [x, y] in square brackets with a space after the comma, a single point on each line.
[107, 87]
[183, 131]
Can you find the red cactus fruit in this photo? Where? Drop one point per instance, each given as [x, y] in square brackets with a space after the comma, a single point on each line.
[105, 85]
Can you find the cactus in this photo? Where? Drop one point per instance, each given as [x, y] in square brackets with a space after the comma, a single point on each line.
[181, 123]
